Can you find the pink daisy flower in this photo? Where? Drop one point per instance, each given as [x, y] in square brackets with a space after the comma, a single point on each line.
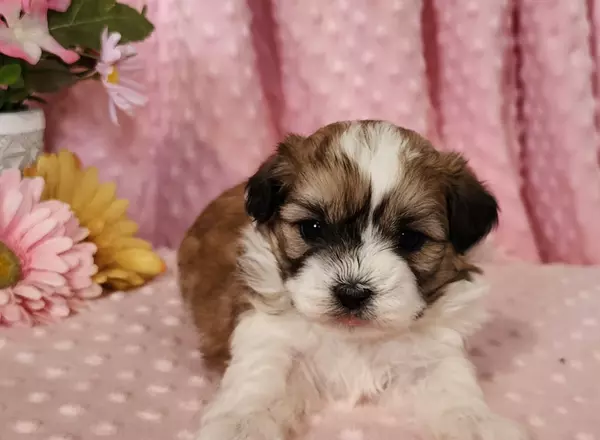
[115, 66]
[45, 268]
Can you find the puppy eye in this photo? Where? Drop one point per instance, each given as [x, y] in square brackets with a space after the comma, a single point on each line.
[410, 240]
[310, 230]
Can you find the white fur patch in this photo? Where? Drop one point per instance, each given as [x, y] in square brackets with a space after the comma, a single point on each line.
[380, 160]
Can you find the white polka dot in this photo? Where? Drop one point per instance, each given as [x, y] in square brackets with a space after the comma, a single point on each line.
[197, 381]
[25, 357]
[536, 422]
[163, 365]
[126, 375]
[94, 360]
[596, 355]
[55, 372]
[26, 426]
[70, 410]
[8, 383]
[191, 405]
[171, 321]
[117, 296]
[104, 429]
[151, 416]
[584, 436]
[2, 343]
[146, 291]
[590, 322]
[569, 302]
[82, 386]
[136, 329]
[158, 389]
[132, 349]
[64, 345]
[38, 397]
[110, 318]
[579, 399]
[576, 336]
[561, 410]
[195, 354]
[117, 397]
[351, 434]
[142, 310]
[518, 363]
[576, 365]
[39, 332]
[103, 337]
[558, 378]
[584, 294]
[174, 302]
[514, 397]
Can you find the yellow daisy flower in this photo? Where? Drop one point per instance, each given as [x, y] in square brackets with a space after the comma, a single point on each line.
[123, 261]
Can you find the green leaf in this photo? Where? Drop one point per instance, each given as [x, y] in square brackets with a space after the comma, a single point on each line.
[48, 76]
[82, 24]
[10, 74]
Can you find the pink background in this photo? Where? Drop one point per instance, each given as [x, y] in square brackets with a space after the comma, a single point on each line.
[511, 84]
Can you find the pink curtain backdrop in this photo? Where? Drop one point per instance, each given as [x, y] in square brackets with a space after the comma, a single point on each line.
[512, 84]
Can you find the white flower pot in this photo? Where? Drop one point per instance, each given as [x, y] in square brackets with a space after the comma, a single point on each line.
[21, 137]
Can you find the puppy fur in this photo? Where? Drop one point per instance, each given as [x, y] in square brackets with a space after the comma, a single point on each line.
[340, 271]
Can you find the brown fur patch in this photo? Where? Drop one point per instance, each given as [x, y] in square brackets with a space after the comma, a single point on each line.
[207, 263]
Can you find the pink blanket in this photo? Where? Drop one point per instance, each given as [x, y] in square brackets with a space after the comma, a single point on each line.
[514, 85]
[129, 369]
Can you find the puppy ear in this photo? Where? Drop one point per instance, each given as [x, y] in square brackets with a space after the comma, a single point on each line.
[267, 188]
[472, 209]
[264, 192]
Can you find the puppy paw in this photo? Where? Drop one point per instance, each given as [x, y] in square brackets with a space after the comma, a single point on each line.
[464, 426]
[240, 428]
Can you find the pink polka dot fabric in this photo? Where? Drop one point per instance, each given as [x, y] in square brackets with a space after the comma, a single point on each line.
[129, 368]
[513, 85]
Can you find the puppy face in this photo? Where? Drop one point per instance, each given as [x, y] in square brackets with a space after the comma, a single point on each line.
[367, 222]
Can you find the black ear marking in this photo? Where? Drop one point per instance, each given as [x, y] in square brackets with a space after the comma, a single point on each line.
[264, 192]
[267, 189]
[472, 209]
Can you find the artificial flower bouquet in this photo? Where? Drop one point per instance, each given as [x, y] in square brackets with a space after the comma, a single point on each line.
[47, 45]
[64, 237]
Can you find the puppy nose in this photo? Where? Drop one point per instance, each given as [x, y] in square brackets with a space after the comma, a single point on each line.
[352, 297]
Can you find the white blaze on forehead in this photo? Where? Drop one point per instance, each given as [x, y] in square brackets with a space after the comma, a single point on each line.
[377, 154]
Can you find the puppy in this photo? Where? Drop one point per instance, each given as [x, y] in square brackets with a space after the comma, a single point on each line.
[340, 271]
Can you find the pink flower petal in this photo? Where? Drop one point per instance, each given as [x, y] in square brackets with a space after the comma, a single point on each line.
[93, 291]
[35, 216]
[80, 282]
[11, 312]
[59, 310]
[57, 266]
[5, 296]
[54, 246]
[35, 305]
[10, 178]
[37, 232]
[10, 205]
[27, 291]
[48, 262]
[39, 277]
